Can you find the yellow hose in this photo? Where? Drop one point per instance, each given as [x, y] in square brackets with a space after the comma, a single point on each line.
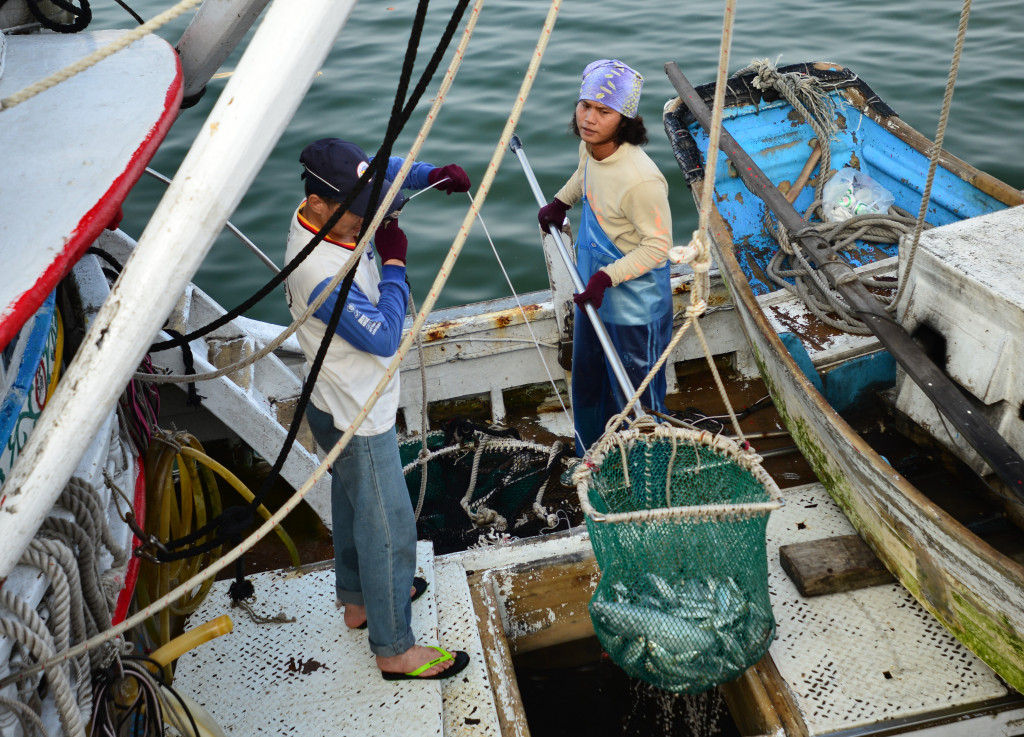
[247, 495]
[176, 504]
[190, 639]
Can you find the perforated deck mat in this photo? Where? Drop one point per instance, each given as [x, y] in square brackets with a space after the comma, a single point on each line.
[861, 657]
[312, 677]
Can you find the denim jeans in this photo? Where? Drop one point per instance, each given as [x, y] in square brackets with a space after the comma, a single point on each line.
[374, 532]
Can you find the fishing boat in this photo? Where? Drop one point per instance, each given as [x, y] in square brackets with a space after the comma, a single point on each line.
[955, 552]
[500, 599]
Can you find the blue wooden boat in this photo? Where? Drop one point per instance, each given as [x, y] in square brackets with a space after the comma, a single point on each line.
[961, 561]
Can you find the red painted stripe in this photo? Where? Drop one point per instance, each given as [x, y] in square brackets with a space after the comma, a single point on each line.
[94, 221]
[131, 575]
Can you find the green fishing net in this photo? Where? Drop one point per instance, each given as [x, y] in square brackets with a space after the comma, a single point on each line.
[683, 598]
[479, 483]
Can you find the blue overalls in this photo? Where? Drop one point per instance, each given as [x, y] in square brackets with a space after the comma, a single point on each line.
[638, 316]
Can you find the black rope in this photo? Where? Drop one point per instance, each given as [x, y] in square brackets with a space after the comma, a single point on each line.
[132, 13]
[376, 164]
[194, 397]
[82, 15]
[399, 116]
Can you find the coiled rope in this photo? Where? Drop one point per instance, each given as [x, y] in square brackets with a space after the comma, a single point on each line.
[790, 261]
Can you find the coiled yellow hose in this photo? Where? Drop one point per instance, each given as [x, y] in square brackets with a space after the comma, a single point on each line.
[182, 494]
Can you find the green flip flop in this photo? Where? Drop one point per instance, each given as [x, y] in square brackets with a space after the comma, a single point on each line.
[460, 658]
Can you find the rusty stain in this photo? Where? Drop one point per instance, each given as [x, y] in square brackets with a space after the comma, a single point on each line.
[435, 334]
[214, 126]
[502, 320]
[304, 667]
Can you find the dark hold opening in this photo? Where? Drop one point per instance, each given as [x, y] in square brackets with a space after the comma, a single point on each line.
[933, 343]
[887, 674]
[801, 526]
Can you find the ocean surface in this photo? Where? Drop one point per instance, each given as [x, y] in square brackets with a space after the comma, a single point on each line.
[903, 50]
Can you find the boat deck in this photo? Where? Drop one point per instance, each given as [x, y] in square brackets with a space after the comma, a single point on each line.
[857, 662]
[314, 676]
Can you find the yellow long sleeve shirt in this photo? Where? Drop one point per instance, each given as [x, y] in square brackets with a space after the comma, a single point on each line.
[629, 197]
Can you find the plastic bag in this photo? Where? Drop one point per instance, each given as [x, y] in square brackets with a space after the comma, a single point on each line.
[850, 192]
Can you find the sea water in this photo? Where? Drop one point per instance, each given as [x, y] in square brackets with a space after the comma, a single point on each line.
[903, 50]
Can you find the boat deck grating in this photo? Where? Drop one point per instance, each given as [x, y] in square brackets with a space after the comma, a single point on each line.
[856, 658]
[311, 677]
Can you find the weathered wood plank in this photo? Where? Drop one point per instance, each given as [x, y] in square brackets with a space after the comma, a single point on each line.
[831, 565]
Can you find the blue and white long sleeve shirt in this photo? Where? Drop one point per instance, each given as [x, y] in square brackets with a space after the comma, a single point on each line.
[368, 332]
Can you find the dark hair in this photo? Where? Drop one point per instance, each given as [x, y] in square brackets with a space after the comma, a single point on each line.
[631, 130]
[330, 202]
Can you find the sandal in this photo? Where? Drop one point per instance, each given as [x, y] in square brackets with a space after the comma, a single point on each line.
[460, 658]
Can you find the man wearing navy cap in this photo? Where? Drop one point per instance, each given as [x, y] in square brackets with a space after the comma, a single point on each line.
[374, 526]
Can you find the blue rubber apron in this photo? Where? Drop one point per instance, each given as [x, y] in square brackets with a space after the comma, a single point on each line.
[638, 316]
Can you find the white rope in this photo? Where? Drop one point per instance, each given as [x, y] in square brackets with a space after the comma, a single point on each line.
[30, 631]
[526, 321]
[936, 152]
[97, 56]
[698, 252]
[289, 505]
[410, 159]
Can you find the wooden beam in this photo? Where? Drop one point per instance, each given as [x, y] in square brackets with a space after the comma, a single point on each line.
[831, 565]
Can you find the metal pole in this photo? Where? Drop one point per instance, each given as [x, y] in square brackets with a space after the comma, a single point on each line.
[602, 334]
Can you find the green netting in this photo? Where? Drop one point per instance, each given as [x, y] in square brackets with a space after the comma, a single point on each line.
[503, 476]
[683, 599]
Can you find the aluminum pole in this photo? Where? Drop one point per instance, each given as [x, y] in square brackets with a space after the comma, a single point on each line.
[602, 334]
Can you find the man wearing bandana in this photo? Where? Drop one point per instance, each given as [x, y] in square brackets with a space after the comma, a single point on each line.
[622, 246]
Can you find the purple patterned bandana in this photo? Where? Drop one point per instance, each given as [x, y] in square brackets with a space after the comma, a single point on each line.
[612, 83]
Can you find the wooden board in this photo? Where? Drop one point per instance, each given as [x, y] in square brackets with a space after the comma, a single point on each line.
[72, 153]
[831, 565]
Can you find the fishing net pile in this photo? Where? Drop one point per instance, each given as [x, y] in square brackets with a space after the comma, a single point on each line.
[677, 520]
[474, 482]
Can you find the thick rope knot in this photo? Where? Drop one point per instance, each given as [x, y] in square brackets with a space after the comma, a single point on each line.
[702, 264]
[683, 254]
[696, 309]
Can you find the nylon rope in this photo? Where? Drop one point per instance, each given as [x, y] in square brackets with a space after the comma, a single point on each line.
[396, 185]
[402, 108]
[940, 136]
[399, 116]
[698, 251]
[529, 327]
[371, 171]
[97, 56]
[289, 505]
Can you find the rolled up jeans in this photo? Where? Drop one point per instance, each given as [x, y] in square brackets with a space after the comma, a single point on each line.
[374, 532]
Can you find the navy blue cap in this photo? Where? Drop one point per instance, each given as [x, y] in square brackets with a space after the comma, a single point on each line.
[332, 169]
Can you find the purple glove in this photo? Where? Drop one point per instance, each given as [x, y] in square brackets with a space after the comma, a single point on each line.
[594, 293]
[391, 242]
[457, 178]
[552, 213]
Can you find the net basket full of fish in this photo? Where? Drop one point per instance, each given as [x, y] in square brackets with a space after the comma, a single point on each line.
[677, 520]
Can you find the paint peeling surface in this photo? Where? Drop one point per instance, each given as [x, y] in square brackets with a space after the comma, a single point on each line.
[856, 658]
[313, 676]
